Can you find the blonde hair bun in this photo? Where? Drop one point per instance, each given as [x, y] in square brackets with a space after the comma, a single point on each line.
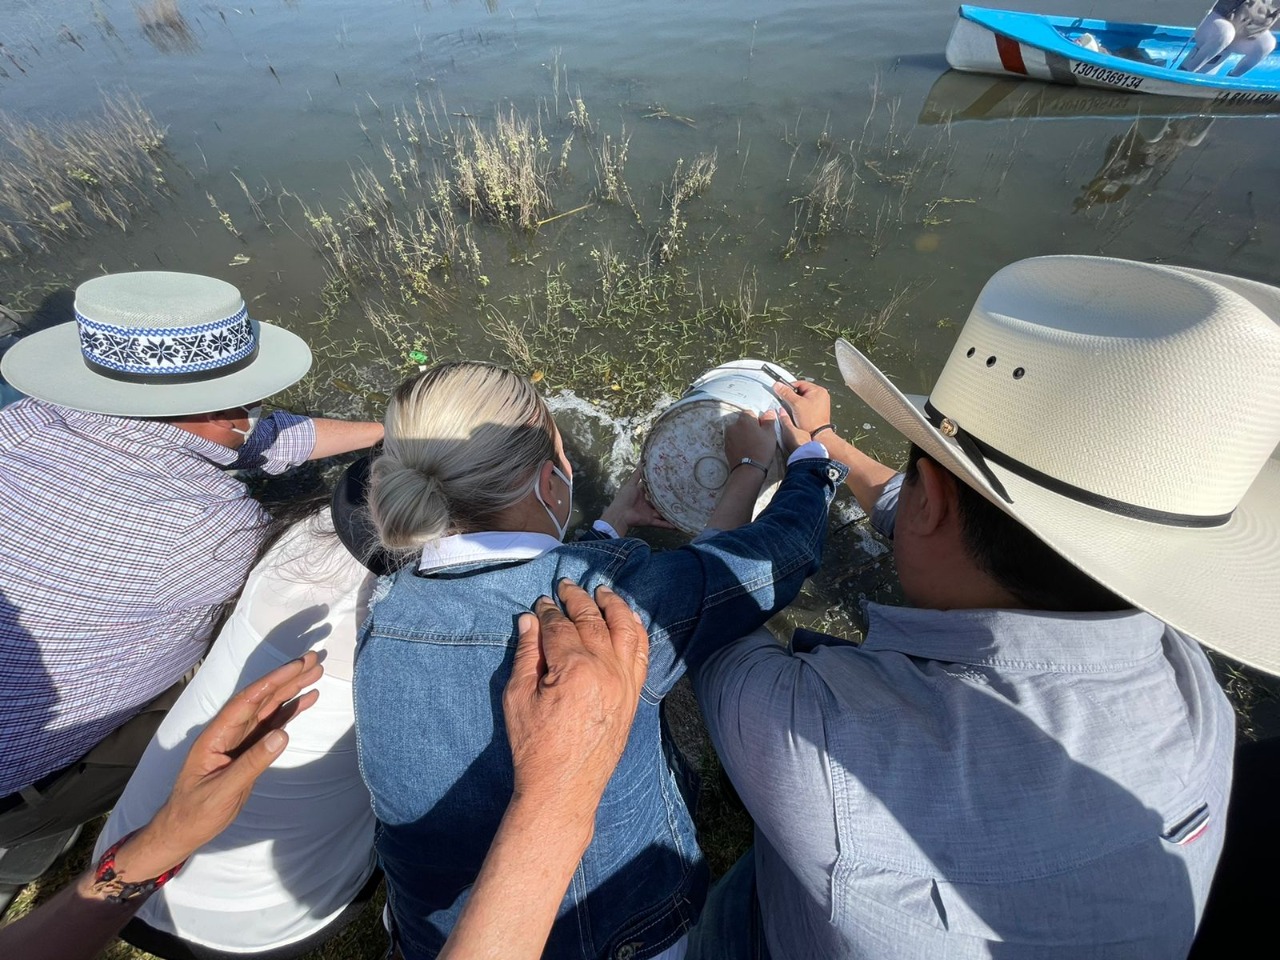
[462, 441]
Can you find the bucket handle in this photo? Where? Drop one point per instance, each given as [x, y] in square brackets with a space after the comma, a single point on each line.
[767, 369]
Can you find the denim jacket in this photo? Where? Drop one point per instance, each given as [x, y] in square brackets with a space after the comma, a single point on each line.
[435, 656]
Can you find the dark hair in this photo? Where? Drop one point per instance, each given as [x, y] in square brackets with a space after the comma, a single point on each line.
[1017, 559]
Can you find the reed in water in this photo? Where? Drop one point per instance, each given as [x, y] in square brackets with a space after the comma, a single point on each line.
[66, 179]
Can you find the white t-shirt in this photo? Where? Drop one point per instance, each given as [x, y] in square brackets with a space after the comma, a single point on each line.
[302, 847]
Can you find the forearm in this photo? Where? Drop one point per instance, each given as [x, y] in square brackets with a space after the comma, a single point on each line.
[767, 560]
[79, 922]
[342, 436]
[522, 882]
[738, 498]
[867, 476]
[74, 925]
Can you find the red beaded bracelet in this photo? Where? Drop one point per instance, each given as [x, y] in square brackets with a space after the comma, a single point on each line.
[106, 880]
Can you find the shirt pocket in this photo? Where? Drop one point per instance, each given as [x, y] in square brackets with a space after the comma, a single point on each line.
[1189, 827]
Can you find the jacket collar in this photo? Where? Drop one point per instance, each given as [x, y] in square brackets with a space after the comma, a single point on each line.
[495, 546]
[1020, 639]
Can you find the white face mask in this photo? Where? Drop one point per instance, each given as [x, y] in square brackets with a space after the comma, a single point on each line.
[254, 414]
[561, 528]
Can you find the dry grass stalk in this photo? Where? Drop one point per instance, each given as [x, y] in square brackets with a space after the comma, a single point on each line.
[685, 185]
[579, 119]
[825, 207]
[374, 242]
[610, 161]
[165, 27]
[59, 181]
[510, 337]
[502, 176]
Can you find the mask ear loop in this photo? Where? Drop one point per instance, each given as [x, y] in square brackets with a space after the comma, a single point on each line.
[561, 528]
[254, 414]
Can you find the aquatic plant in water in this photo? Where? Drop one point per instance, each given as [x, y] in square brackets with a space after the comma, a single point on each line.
[502, 175]
[64, 179]
[685, 185]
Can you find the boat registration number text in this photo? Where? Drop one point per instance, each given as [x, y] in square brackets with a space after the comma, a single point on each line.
[1114, 78]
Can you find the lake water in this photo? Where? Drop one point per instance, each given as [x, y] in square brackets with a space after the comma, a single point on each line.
[605, 298]
[292, 97]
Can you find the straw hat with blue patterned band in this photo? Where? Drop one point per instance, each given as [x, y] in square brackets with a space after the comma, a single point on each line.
[1127, 414]
[157, 344]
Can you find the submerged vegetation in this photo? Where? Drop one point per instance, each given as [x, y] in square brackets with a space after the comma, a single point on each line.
[502, 175]
[523, 234]
[628, 311]
[628, 331]
[67, 179]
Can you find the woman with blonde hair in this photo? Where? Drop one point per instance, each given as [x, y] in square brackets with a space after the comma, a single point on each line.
[474, 491]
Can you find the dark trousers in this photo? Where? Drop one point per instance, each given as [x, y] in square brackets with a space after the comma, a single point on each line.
[730, 927]
[1240, 912]
[90, 786]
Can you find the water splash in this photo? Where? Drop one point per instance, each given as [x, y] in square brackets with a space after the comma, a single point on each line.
[614, 442]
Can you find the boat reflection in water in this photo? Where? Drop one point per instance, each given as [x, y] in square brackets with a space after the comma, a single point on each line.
[958, 96]
[1162, 127]
[1145, 152]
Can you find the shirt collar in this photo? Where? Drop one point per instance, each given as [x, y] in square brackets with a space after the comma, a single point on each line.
[209, 449]
[1035, 639]
[140, 430]
[494, 546]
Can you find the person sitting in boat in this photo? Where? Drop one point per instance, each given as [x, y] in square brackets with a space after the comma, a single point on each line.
[473, 486]
[1234, 26]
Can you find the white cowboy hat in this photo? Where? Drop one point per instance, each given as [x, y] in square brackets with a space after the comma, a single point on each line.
[157, 344]
[1126, 413]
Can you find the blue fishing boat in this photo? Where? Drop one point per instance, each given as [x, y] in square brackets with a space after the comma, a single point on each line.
[1132, 57]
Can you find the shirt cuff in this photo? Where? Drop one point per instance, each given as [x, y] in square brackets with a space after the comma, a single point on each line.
[280, 441]
[812, 450]
[885, 512]
[603, 526]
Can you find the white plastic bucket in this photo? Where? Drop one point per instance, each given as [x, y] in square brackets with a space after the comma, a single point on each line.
[684, 461]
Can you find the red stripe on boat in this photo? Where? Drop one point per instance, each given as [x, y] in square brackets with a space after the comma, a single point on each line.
[1010, 54]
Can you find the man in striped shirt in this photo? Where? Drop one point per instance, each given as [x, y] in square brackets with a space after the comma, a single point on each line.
[121, 533]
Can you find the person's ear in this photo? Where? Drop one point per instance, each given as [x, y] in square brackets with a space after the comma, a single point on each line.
[936, 502]
[548, 483]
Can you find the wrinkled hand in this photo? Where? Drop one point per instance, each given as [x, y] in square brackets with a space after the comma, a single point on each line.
[574, 688]
[631, 508]
[215, 780]
[747, 435]
[810, 404]
[792, 436]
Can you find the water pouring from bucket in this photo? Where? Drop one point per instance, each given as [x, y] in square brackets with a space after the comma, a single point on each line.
[683, 460]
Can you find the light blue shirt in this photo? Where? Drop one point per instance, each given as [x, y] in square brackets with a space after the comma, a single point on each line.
[977, 783]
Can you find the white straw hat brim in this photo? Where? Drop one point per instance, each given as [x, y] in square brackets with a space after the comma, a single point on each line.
[48, 365]
[1216, 584]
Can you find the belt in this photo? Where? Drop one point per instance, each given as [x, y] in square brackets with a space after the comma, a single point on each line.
[26, 794]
